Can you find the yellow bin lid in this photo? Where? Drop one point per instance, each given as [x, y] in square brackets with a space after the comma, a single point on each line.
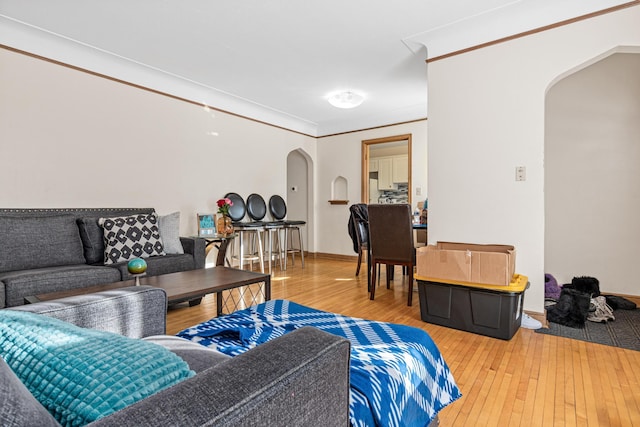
[518, 283]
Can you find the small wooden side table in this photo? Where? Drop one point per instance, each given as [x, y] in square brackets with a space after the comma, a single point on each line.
[221, 242]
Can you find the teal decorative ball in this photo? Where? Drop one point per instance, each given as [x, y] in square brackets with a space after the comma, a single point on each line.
[137, 266]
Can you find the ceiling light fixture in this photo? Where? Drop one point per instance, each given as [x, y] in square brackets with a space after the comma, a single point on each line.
[345, 99]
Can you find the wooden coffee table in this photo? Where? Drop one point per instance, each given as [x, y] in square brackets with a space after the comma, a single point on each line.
[183, 286]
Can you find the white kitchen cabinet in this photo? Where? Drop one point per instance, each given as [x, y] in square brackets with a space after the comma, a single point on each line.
[400, 169]
[385, 173]
[373, 165]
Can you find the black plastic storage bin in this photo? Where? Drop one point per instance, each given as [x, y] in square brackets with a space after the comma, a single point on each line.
[494, 311]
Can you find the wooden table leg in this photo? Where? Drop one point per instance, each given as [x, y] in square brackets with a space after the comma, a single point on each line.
[222, 252]
[267, 288]
[218, 304]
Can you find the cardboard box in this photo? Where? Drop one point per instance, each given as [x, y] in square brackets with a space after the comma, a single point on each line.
[467, 263]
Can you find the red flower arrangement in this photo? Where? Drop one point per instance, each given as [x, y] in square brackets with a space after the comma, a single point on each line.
[224, 205]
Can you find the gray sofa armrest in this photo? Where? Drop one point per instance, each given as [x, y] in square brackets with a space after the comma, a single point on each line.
[136, 311]
[301, 378]
[196, 247]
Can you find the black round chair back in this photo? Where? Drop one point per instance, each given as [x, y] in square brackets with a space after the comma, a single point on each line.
[256, 207]
[277, 207]
[238, 210]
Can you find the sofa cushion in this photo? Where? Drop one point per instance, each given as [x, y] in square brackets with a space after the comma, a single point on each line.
[80, 374]
[197, 356]
[39, 241]
[170, 233]
[159, 265]
[20, 284]
[135, 236]
[18, 407]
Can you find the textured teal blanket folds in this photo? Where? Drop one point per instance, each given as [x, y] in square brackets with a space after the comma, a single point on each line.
[79, 374]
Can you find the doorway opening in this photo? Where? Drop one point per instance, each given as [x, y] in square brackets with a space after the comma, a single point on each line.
[299, 195]
[386, 170]
[590, 171]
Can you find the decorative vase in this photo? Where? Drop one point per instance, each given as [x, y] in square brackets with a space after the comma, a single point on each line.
[137, 266]
[223, 225]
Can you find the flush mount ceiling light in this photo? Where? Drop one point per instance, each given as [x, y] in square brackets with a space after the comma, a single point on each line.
[345, 99]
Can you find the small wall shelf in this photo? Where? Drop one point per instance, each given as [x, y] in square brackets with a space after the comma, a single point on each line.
[339, 191]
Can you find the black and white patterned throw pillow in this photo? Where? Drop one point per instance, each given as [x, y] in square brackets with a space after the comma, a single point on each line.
[135, 236]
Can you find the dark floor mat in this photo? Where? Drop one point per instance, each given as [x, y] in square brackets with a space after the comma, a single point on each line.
[623, 332]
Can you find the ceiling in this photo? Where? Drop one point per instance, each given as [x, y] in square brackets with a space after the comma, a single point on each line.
[277, 60]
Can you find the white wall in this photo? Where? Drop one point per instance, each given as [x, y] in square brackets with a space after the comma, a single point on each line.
[341, 156]
[71, 139]
[592, 179]
[486, 116]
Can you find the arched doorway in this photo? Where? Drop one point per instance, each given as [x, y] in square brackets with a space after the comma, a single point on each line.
[592, 195]
[300, 194]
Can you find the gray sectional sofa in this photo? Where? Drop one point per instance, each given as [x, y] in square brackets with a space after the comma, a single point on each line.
[299, 379]
[51, 250]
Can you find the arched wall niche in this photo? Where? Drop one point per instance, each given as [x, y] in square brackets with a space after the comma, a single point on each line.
[339, 189]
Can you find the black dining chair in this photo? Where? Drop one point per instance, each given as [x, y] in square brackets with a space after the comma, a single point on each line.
[358, 228]
[391, 242]
[278, 211]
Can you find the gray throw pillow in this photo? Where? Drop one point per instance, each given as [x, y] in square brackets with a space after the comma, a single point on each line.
[170, 233]
[197, 356]
[92, 239]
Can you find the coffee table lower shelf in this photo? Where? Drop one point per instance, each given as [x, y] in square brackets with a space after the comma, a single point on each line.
[189, 286]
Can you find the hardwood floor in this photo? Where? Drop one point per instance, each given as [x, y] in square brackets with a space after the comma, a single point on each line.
[530, 380]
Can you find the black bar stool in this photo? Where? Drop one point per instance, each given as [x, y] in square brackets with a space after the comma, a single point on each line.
[278, 210]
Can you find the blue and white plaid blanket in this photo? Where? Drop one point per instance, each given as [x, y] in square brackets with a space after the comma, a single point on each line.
[398, 376]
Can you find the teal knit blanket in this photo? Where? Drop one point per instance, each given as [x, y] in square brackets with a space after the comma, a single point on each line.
[79, 374]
